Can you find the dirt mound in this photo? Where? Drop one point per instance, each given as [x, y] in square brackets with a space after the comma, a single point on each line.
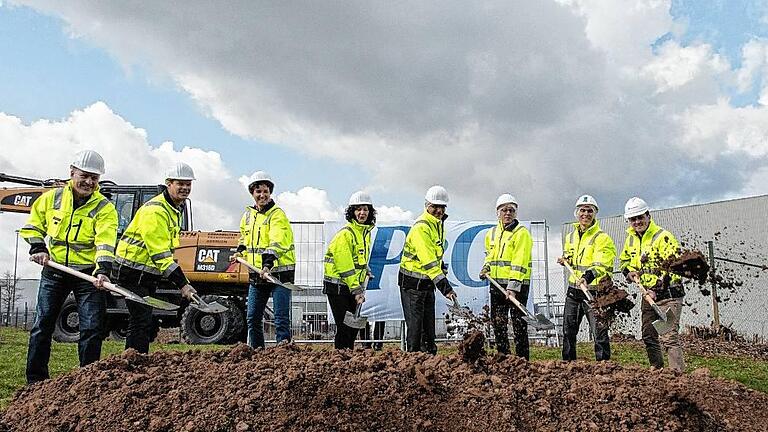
[290, 388]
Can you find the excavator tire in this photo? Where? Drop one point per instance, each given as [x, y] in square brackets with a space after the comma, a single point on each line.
[204, 328]
[67, 328]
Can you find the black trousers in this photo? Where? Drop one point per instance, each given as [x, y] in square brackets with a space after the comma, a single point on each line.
[575, 310]
[340, 305]
[140, 320]
[378, 334]
[419, 311]
[501, 309]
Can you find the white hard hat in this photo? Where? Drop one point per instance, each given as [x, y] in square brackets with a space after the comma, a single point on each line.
[635, 207]
[180, 171]
[585, 200]
[437, 195]
[505, 199]
[260, 177]
[360, 198]
[89, 161]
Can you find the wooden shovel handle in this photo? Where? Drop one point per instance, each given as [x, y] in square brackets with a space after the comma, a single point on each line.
[643, 291]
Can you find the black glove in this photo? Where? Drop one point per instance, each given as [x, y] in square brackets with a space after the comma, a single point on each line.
[589, 276]
[268, 260]
[444, 286]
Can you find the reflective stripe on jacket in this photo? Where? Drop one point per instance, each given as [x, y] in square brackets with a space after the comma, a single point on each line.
[508, 253]
[656, 244]
[346, 260]
[149, 241]
[267, 233]
[592, 250]
[78, 237]
[423, 251]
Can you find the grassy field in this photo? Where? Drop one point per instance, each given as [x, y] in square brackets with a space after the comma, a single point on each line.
[13, 352]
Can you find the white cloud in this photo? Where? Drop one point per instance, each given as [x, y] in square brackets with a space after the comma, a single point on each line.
[676, 66]
[545, 99]
[44, 148]
[713, 131]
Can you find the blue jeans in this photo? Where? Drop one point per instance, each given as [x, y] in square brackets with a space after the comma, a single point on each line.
[91, 308]
[258, 295]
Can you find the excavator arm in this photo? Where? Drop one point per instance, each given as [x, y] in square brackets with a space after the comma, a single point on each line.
[20, 199]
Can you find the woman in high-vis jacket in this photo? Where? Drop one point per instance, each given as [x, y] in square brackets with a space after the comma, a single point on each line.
[346, 266]
[266, 242]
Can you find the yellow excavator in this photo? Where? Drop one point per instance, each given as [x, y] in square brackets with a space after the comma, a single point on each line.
[204, 257]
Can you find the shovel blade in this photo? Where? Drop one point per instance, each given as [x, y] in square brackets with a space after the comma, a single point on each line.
[157, 303]
[543, 322]
[662, 327]
[211, 308]
[357, 322]
[291, 286]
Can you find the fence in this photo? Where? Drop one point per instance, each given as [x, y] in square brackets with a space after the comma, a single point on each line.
[733, 236]
[309, 308]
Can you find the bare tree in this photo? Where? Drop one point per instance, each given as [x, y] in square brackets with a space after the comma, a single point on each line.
[8, 294]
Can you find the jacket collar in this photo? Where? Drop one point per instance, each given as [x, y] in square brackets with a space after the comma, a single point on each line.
[266, 208]
[595, 227]
[511, 226]
[652, 229]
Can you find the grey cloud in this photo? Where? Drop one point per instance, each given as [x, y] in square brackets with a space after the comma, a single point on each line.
[483, 97]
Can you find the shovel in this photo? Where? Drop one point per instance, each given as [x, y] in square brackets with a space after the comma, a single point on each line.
[211, 308]
[538, 321]
[662, 325]
[270, 278]
[355, 320]
[458, 310]
[129, 295]
[582, 287]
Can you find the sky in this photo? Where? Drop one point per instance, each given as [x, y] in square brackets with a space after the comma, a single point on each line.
[544, 99]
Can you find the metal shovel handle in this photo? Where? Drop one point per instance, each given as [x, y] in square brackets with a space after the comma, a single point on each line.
[581, 286]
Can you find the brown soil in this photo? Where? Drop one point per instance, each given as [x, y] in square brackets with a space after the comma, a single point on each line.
[291, 388]
[473, 346]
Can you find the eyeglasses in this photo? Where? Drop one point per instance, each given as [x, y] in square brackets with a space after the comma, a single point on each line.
[507, 210]
[636, 218]
[586, 210]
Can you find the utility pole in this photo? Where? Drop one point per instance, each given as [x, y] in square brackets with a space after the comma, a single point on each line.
[715, 305]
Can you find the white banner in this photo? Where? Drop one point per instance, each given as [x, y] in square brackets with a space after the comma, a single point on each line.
[464, 255]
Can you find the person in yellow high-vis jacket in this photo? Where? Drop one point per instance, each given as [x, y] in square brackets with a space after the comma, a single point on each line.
[647, 245]
[508, 248]
[266, 242]
[145, 252]
[346, 265]
[590, 252]
[422, 270]
[81, 227]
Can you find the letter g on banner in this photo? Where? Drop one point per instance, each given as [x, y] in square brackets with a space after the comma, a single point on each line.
[460, 256]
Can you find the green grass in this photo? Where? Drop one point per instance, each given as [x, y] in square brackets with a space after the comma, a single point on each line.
[13, 353]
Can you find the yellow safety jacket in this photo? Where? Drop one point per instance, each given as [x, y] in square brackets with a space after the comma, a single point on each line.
[645, 254]
[148, 243]
[508, 253]
[346, 260]
[79, 238]
[267, 233]
[423, 251]
[592, 250]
